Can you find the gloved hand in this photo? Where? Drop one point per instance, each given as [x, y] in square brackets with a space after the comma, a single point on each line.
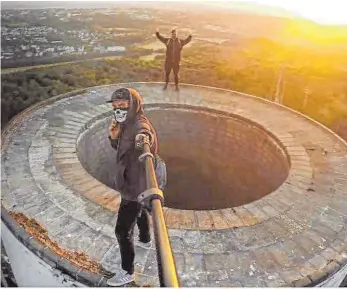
[140, 140]
[114, 129]
[147, 206]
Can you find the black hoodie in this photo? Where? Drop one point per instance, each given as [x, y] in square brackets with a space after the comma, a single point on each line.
[130, 178]
[173, 47]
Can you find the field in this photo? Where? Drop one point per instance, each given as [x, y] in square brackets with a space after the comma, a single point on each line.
[214, 40]
[24, 68]
[155, 45]
[150, 56]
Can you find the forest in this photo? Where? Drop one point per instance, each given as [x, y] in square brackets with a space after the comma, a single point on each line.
[310, 82]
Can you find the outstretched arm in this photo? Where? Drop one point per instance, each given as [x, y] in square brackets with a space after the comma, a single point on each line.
[186, 41]
[161, 38]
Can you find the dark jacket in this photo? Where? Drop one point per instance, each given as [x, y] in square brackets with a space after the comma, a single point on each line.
[130, 177]
[173, 47]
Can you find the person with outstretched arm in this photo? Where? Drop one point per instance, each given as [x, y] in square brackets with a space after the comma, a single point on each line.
[127, 126]
[174, 47]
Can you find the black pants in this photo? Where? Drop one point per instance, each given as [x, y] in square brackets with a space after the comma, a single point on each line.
[171, 66]
[130, 213]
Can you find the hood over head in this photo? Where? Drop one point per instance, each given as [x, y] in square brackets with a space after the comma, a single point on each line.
[135, 103]
[135, 106]
[135, 112]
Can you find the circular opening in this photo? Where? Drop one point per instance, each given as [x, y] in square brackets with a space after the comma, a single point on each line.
[213, 161]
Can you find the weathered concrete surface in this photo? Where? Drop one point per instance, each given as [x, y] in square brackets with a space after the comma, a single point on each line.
[295, 235]
[29, 270]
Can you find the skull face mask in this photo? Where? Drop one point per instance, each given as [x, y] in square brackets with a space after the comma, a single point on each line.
[120, 114]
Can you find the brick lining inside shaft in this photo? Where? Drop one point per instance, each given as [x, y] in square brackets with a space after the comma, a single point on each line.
[213, 161]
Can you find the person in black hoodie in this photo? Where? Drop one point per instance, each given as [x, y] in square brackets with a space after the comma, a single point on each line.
[128, 124]
[174, 46]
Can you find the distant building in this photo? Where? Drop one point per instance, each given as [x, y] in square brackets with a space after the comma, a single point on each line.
[99, 48]
[116, 48]
[28, 54]
[140, 16]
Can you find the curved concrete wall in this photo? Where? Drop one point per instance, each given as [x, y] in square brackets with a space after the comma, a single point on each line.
[194, 144]
[29, 269]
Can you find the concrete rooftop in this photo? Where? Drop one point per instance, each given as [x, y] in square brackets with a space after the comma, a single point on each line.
[295, 234]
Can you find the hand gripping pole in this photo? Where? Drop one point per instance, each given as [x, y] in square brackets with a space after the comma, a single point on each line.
[149, 195]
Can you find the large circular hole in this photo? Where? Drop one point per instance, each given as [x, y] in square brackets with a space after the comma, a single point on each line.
[214, 161]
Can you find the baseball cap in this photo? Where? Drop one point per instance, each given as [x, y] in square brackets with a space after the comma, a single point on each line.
[120, 93]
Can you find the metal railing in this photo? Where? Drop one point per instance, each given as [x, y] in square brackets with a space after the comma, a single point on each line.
[154, 197]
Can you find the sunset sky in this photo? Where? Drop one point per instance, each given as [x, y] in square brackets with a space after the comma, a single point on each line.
[321, 11]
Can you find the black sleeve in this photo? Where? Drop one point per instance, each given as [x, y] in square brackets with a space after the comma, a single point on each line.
[114, 142]
[186, 41]
[161, 38]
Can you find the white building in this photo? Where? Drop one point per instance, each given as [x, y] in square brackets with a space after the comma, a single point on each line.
[99, 48]
[28, 54]
[116, 48]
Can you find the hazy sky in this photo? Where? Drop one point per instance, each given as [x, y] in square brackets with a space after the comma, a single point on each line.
[322, 11]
